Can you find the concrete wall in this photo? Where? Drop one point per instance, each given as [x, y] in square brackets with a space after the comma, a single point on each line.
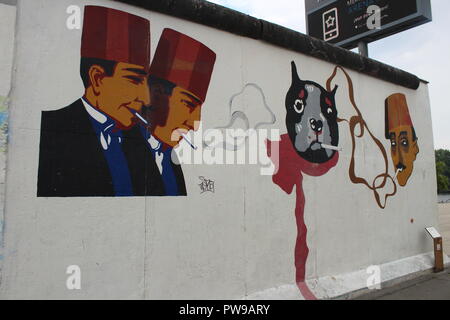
[236, 242]
[8, 18]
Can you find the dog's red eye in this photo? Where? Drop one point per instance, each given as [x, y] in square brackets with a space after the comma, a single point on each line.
[328, 102]
[301, 95]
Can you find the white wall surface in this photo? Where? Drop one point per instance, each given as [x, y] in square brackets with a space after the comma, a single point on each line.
[224, 245]
[8, 19]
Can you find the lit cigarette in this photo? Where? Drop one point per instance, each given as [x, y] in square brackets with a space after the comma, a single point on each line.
[325, 146]
[187, 140]
[396, 174]
[141, 118]
[138, 115]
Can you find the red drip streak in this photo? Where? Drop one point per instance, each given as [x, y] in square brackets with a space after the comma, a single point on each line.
[290, 168]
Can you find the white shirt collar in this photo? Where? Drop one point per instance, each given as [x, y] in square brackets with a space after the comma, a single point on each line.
[154, 143]
[94, 113]
[105, 139]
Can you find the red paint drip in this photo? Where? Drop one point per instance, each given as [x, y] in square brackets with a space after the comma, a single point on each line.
[304, 290]
[289, 168]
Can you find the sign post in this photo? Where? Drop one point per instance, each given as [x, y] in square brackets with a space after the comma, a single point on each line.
[363, 49]
[347, 23]
[438, 250]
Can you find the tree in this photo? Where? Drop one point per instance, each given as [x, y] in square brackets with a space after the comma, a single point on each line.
[443, 181]
[444, 156]
[443, 170]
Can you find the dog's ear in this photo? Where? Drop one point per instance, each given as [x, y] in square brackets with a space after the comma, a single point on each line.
[386, 119]
[295, 77]
[333, 93]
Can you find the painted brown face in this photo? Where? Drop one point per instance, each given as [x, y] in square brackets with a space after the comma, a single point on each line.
[181, 112]
[404, 150]
[400, 132]
[121, 94]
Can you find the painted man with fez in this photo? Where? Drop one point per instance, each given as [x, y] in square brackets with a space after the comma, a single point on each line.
[180, 74]
[400, 131]
[84, 147]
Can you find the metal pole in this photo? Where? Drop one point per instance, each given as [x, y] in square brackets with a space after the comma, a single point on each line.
[363, 48]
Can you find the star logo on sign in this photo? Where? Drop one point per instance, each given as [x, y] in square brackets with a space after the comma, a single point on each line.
[330, 21]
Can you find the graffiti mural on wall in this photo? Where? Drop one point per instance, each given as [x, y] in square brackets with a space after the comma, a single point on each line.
[311, 148]
[311, 119]
[118, 138]
[240, 120]
[179, 78]
[400, 132]
[3, 123]
[3, 149]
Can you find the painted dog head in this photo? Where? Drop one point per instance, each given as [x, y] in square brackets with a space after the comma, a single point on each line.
[311, 119]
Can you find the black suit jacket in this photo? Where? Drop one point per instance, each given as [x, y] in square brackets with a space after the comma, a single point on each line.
[72, 163]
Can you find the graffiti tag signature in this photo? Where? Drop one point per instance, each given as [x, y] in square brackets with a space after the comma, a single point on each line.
[206, 185]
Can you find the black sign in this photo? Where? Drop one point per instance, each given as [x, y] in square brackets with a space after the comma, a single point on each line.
[347, 22]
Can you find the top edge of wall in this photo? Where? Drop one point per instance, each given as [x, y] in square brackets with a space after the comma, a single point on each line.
[9, 2]
[219, 17]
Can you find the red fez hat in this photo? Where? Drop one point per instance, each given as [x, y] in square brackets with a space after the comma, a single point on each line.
[184, 61]
[397, 112]
[115, 35]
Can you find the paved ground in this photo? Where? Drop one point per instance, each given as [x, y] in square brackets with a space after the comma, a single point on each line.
[428, 287]
[444, 225]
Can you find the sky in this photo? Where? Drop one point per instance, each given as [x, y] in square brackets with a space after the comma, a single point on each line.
[423, 51]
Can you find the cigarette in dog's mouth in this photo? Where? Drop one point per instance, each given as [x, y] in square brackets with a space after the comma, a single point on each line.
[187, 140]
[397, 173]
[325, 146]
